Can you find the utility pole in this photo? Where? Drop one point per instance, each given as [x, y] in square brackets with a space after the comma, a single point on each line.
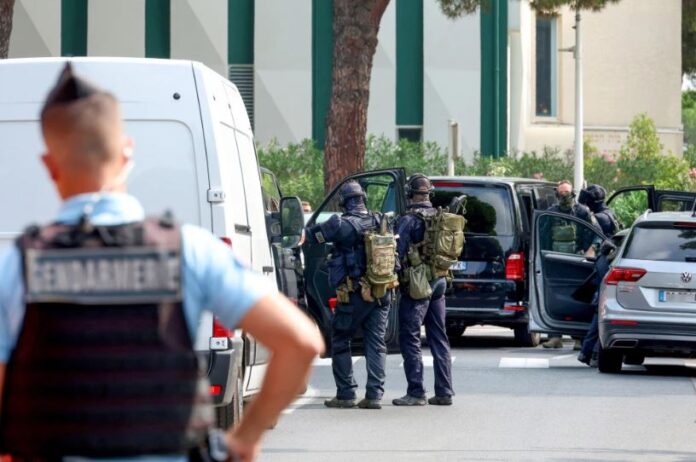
[579, 177]
[453, 151]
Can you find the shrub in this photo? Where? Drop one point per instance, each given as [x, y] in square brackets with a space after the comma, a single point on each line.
[300, 167]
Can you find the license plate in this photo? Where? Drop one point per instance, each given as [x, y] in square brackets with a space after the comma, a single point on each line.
[458, 266]
[677, 296]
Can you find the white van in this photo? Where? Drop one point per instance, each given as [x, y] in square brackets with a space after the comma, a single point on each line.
[194, 154]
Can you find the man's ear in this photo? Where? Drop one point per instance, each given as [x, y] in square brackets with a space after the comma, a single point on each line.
[50, 165]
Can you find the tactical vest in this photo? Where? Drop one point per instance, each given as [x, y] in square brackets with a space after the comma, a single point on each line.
[563, 235]
[104, 364]
[443, 240]
[615, 225]
[355, 260]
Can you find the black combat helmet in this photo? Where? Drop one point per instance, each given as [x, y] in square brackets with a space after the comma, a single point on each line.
[348, 190]
[592, 196]
[418, 184]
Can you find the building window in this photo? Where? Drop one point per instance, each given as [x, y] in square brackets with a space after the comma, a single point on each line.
[414, 134]
[546, 63]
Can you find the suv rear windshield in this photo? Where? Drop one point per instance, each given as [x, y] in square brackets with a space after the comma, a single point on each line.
[664, 243]
[488, 208]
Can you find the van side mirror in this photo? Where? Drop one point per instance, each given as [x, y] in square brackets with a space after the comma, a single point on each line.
[291, 221]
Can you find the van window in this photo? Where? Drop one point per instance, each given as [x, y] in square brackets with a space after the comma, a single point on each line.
[271, 193]
[380, 192]
[664, 243]
[250, 168]
[545, 197]
[488, 208]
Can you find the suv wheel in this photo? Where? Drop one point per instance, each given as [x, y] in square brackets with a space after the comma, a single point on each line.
[454, 332]
[230, 415]
[609, 361]
[525, 338]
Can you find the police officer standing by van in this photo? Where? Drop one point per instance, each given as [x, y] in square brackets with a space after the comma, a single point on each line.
[593, 198]
[98, 311]
[362, 280]
[422, 298]
[564, 236]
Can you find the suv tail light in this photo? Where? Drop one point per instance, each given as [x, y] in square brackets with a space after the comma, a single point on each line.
[617, 275]
[514, 267]
[226, 240]
[221, 331]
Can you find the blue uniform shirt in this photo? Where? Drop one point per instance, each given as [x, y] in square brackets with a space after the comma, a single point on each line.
[212, 277]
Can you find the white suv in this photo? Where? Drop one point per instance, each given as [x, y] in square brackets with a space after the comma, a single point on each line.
[647, 305]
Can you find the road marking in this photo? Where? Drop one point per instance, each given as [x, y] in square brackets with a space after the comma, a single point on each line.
[524, 363]
[563, 357]
[327, 361]
[308, 398]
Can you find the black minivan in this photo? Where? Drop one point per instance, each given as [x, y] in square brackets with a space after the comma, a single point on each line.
[490, 285]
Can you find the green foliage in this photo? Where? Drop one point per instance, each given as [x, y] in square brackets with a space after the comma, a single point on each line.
[552, 6]
[456, 8]
[690, 156]
[298, 167]
[381, 152]
[641, 160]
[689, 116]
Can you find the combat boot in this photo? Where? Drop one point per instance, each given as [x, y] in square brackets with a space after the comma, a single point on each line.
[440, 400]
[340, 403]
[368, 403]
[408, 400]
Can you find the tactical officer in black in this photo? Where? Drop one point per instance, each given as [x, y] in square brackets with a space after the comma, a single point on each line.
[355, 307]
[593, 198]
[429, 311]
[562, 236]
[590, 292]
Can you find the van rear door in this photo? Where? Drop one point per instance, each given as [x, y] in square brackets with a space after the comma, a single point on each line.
[479, 275]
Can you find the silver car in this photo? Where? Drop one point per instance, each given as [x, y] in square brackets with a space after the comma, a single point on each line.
[647, 305]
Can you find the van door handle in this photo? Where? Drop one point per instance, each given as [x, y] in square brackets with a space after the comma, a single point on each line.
[267, 269]
[246, 229]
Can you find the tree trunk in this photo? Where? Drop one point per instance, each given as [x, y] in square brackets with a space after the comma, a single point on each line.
[355, 27]
[6, 9]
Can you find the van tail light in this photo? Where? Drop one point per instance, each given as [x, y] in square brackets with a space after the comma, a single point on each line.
[617, 275]
[221, 331]
[514, 267]
[227, 240]
[215, 390]
[332, 304]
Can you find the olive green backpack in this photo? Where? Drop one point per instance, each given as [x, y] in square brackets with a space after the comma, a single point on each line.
[432, 258]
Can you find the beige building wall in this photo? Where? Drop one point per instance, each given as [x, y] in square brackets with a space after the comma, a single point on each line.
[116, 28]
[283, 71]
[631, 65]
[36, 29]
[199, 32]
